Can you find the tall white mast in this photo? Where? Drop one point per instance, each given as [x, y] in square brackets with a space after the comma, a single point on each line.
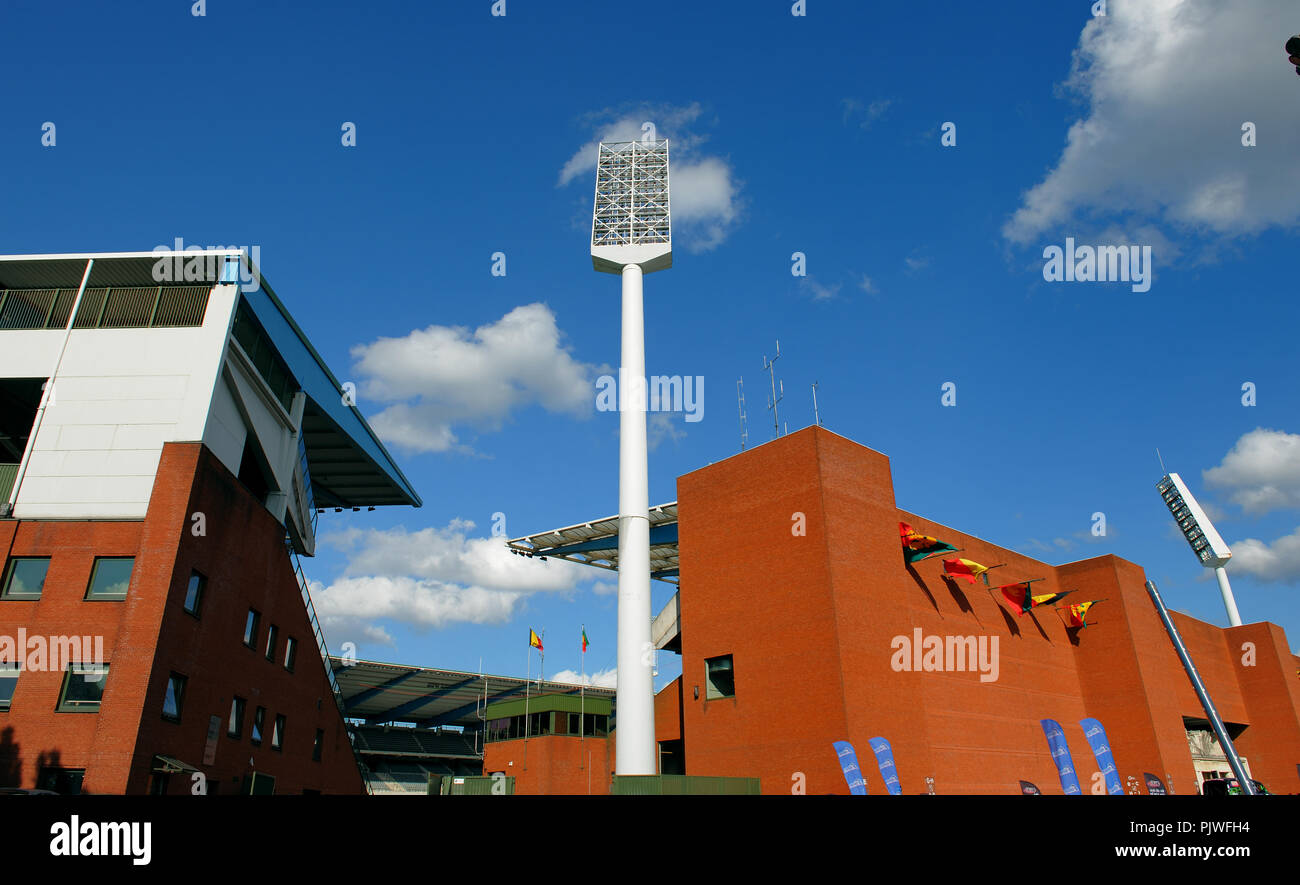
[631, 235]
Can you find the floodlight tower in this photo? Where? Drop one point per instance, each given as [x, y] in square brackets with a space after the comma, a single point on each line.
[631, 235]
[1199, 532]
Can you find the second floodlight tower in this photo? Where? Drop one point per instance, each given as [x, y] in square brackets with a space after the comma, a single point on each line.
[631, 235]
[1200, 533]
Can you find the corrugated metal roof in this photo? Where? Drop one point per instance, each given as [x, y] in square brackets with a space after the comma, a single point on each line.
[380, 692]
[596, 543]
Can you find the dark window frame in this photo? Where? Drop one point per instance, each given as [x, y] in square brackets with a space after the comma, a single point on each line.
[277, 731]
[242, 704]
[252, 627]
[713, 691]
[179, 682]
[272, 641]
[259, 725]
[198, 593]
[10, 568]
[64, 706]
[16, 668]
[92, 596]
[290, 653]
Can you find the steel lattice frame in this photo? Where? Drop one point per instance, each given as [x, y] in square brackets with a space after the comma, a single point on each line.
[632, 217]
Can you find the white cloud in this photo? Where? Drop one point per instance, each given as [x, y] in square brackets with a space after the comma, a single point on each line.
[866, 284]
[706, 204]
[819, 291]
[601, 679]
[1168, 85]
[429, 578]
[1262, 472]
[865, 114]
[442, 376]
[1279, 561]
[661, 427]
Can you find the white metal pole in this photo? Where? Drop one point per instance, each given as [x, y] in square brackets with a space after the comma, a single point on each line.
[47, 393]
[1234, 619]
[635, 741]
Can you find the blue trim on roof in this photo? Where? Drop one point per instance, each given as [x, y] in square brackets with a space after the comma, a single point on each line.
[660, 534]
[320, 385]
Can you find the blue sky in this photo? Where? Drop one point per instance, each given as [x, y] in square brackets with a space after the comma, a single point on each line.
[818, 134]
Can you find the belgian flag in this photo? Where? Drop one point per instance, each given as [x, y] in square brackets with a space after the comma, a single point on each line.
[917, 546]
[534, 640]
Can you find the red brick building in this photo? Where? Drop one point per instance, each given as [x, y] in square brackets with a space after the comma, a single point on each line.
[164, 451]
[795, 598]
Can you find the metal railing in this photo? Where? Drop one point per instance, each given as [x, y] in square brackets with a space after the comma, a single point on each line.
[105, 307]
[8, 472]
[335, 690]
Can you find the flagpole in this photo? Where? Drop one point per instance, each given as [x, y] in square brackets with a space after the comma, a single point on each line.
[582, 691]
[528, 684]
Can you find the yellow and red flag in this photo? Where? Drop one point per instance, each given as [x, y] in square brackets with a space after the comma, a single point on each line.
[917, 546]
[1017, 595]
[534, 640]
[1077, 614]
[965, 568]
[1022, 599]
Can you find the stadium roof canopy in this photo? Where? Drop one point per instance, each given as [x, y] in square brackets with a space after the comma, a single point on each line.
[596, 543]
[349, 466]
[381, 693]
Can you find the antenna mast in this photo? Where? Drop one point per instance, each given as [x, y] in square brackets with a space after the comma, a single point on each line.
[740, 397]
[817, 417]
[769, 367]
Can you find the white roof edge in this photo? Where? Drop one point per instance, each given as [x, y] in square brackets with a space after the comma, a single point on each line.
[587, 524]
[66, 256]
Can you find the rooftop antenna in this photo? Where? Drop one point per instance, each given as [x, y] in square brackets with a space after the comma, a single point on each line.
[769, 367]
[1163, 471]
[817, 417]
[740, 396]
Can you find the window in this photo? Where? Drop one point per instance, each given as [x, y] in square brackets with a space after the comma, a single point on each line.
[317, 745]
[250, 628]
[8, 682]
[64, 781]
[259, 719]
[25, 577]
[175, 697]
[236, 727]
[83, 688]
[290, 653]
[272, 637]
[719, 678]
[110, 577]
[277, 732]
[194, 593]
